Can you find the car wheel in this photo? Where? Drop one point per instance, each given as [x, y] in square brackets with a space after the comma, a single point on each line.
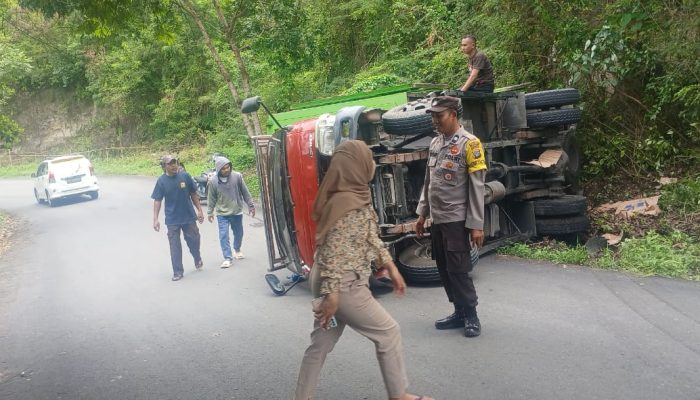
[560, 206]
[94, 195]
[49, 201]
[408, 119]
[564, 116]
[551, 98]
[561, 225]
[36, 196]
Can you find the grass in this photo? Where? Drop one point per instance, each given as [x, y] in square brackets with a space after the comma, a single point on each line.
[676, 255]
[555, 252]
[18, 170]
[683, 196]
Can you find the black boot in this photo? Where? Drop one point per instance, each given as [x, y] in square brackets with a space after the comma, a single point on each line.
[472, 325]
[456, 320]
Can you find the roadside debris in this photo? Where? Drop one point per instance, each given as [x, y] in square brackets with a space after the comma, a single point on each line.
[644, 206]
[663, 181]
[547, 159]
[612, 238]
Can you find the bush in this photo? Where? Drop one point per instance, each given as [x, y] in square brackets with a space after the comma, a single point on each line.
[683, 196]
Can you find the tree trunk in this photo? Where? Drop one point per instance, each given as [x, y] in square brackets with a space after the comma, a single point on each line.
[191, 10]
[242, 70]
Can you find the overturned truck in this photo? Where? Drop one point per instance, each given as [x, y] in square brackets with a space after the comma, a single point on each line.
[531, 190]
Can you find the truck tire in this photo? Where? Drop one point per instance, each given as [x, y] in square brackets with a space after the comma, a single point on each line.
[408, 119]
[416, 264]
[551, 98]
[564, 116]
[561, 225]
[560, 206]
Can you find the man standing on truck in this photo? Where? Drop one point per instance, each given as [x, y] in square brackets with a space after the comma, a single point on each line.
[453, 195]
[228, 195]
[179, 192]
[480, 71]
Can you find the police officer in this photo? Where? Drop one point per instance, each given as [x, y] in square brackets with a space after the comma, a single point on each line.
[453, 195]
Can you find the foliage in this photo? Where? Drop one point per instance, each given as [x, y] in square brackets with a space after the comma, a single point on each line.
[675, 255]
[14, 64]
[144, 61]
[24, 169]
[682, 196]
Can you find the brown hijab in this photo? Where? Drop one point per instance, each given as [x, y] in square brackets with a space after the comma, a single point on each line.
[345, 186]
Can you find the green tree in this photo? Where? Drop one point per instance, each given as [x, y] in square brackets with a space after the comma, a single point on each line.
[14, 66]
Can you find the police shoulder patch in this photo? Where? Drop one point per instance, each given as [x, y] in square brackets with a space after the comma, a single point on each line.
[474, 153]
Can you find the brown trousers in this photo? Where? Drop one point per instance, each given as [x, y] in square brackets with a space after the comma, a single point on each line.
[360, 311]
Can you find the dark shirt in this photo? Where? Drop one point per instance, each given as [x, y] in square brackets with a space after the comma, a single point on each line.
[176, 190]
[481, 62]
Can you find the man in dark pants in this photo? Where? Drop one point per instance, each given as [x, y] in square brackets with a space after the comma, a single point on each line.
[453, 196]
[480, 70]
[180, 193]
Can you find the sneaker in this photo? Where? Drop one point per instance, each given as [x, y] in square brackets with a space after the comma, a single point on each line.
[238, 255]
[198, 266]
[176, 277]
[226, 263]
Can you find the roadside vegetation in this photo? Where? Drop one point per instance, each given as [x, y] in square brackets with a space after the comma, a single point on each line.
[664, 245]
[168, 74]
[674, 255]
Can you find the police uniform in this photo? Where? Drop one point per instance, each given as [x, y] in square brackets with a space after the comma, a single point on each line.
[453, 195]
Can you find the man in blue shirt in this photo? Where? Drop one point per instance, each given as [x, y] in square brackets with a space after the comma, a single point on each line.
[180, 193]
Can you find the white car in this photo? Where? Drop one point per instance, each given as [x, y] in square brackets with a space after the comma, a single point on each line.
[63, 177]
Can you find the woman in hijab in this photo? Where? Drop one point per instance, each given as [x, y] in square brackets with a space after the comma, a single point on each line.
[347, 240]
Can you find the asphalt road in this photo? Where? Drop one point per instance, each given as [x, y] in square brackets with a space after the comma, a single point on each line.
[88, 311]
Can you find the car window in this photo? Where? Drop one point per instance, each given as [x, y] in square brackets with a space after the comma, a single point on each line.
[70, 167]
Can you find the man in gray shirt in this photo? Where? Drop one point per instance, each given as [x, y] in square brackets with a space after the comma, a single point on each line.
[453, 196]
[228, 197]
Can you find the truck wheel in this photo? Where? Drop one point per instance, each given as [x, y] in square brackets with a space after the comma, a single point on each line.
[408, 119]
[551, 98]
[564, 116]
[565, 205]
[561, 225]
[416, 264]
